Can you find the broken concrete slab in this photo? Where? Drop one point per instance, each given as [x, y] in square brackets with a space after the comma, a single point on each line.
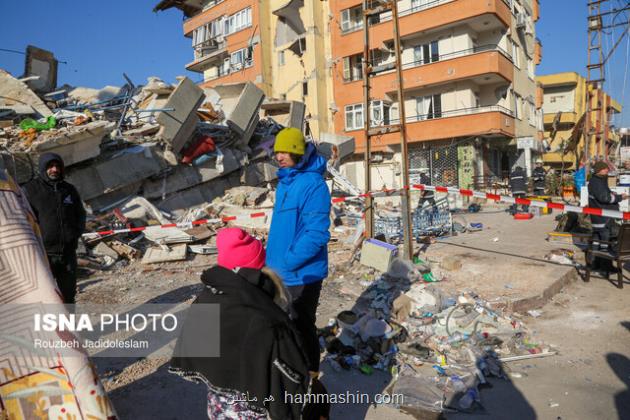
[335, 146]
[184, 176]
[178, 126]
[203, 249]
[103, 250]
[74, 143]
[158, 255]
[171, 235]
[15, 92]
[140, 208]
[243, 219]
[140, 162]
[201, 233]
[203, 194]
[286, 113]
[244, 196]
[243, 116]
[259, 173]
[43, 64]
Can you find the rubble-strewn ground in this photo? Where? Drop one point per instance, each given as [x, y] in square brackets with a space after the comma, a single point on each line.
[587, 323]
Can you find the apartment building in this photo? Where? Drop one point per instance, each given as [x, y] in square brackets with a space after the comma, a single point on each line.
[471, 102]
[279, 45]
[564, 106]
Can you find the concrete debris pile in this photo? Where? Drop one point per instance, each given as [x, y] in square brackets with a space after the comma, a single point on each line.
[168, 149]
[439, 349]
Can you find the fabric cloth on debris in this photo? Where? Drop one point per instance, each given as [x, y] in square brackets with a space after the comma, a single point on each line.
[261, 352]
[201, 146]
[236, 248]
[298, 237]
[26, 278]
[225, 405]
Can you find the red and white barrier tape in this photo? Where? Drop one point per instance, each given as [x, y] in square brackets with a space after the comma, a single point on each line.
[499, 198]
[187, 225]
[387, 193]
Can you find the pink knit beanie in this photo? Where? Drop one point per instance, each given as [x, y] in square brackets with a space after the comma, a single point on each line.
[239, 249]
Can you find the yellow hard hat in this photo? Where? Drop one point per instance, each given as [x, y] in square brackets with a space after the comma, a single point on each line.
[290, 140]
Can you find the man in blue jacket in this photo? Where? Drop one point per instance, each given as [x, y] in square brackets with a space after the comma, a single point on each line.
[297, 247]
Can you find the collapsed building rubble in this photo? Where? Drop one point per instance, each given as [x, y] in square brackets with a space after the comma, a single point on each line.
[150, 155]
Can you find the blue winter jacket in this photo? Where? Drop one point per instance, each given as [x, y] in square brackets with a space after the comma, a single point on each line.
[297, 247]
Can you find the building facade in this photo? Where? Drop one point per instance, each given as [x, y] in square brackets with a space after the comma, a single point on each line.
[281, 46]
[471, 101]
[564, 108]
[470, 94]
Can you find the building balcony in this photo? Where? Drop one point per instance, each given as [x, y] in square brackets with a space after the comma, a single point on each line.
[565, 118]
[434, 15]
[207, 54]
[493, 120]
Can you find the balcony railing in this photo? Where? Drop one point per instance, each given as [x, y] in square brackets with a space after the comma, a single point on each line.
[233, 68]
[460, 53]
[456, 113]
[209, 46]
[387, 16]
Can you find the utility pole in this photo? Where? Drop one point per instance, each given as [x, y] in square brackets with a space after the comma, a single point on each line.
[372, 8]
[596, 74]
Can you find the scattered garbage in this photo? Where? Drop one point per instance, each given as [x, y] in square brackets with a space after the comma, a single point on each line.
[561, 256]
[438, 348]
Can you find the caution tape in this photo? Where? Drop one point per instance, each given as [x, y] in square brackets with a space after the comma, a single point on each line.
[186, 225]
[388, 193]
[498, 198]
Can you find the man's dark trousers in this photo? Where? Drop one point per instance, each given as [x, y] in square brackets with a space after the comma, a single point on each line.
[64, 270]
[304, 300]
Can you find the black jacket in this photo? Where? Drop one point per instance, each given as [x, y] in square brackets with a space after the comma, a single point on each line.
[424, 179]
[539, 178]
[600, 196]
[261, 353]
[58, 209]
[518, 181]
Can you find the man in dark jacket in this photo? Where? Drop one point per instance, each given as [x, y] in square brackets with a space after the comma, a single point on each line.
[426, 196]
[539, 178]
[61, 217]
[518, 185]
[601, 197]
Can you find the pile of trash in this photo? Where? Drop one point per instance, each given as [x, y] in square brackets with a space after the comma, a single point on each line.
[439, 349]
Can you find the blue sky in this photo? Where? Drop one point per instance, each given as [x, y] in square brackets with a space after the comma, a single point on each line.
[101, 40]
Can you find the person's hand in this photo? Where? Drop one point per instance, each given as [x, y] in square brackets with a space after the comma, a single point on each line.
[625, 196]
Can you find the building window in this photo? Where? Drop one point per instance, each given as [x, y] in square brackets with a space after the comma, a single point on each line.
[518, 112]
[281, 58]
[354, 117]
[352, 68]
[531, 117]
[516, 57]
[238, 21]
[419, 4]
[241, 59]
[429, 107]
[530, 68]
[304, 88]
[426, 53]
[380, 113]
[351, 19]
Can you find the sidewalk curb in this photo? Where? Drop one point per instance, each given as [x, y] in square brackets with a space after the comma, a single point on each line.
[537, 301]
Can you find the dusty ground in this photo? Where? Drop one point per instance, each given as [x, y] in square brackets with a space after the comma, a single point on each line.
[588, 323]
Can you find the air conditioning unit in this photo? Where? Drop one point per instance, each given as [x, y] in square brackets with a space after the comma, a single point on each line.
[521, 20]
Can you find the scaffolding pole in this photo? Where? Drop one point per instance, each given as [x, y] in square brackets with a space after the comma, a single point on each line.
[371, 8]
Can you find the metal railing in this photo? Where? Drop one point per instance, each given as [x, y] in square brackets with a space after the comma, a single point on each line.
[225, 71]
[456, 113]
[457, 54]
[209, 46]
